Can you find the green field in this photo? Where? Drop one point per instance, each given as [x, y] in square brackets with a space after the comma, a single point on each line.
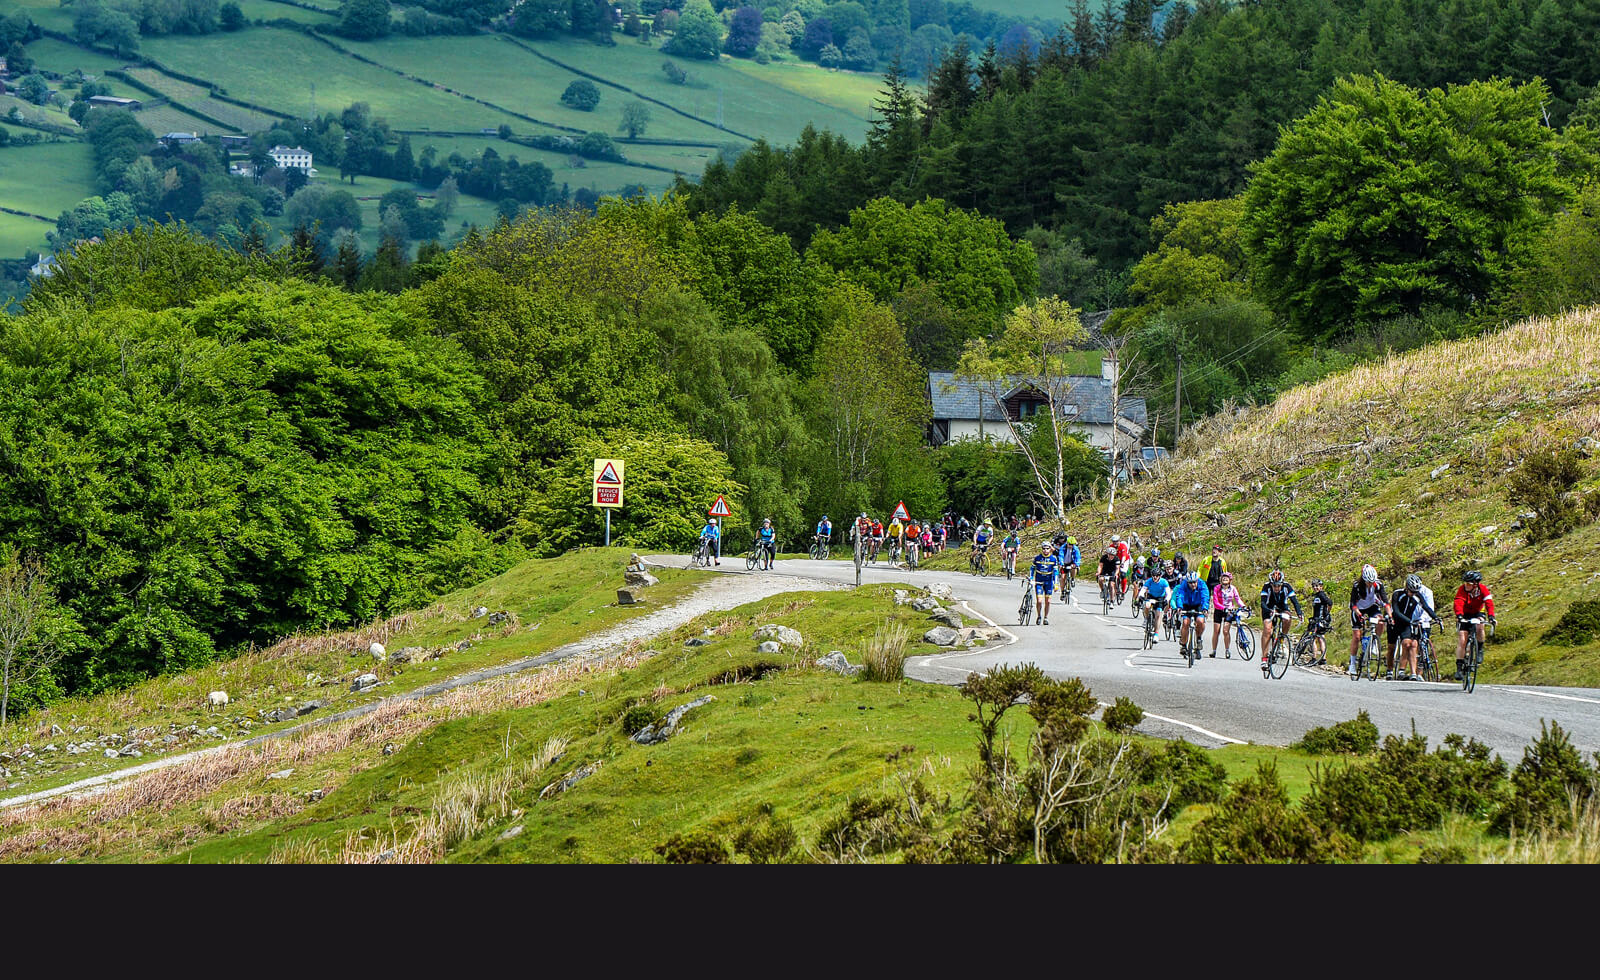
[19, 235]
[45, 180]
[278, 69]
[167, 119]
[199, 98]
[749, 103]
[59, 56]
[46, 13]
[268, 10]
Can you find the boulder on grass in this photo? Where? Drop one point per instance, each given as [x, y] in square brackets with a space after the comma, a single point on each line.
[941, 636]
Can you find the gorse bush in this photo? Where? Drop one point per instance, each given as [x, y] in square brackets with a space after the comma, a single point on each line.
[702, 847]
[1185, 774]
[1359, 736]
[1257, 825]
[1549, 787]
[1405, 788]
[1545, 482]
[1124, 716]
[1578, 625]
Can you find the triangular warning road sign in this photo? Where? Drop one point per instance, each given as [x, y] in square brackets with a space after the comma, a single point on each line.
[720, 508]
[900, 512]
[608, 475]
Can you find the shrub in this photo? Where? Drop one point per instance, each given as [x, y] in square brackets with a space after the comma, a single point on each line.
[1188, 772]
[637, 718]
[1549, 785]
[1256, 825]
[701, 847]
[1443, 854]
[1124, 716]
[1545, 482]
[581, 94]
[767, 839]
[1359, 736]
[884, 656]
[1406, 788]
[1577, 626]
[876, 825]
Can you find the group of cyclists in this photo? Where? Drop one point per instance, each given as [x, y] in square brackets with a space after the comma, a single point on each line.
[1170, 586]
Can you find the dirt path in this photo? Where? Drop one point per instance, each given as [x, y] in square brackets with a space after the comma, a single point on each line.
[720, 592]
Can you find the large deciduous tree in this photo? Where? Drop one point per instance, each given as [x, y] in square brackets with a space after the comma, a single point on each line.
[698, 34]
[1386, 200]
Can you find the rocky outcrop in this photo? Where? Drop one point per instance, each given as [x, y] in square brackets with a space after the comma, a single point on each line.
[663, 730]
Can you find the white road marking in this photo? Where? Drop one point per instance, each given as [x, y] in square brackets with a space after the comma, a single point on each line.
[1542, 694]
[1197, 728]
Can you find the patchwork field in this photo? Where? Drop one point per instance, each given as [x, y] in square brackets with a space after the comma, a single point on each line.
[59, 56]
[198, 97]
[45, 180]
[166, 119]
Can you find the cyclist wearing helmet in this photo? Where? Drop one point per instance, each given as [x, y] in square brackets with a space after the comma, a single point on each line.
[824, 531]
[1473, 601]
[1108, 567]
[1009, 546]
[1194, 598]
[767, 540]
[1367, 598]
[712, 534]
[1044, 583]
[1276, 597]
[1409, 610]
[1226, 604]
[1124, 561]
[1180, 563]
[1155, 591]
[1321, 620]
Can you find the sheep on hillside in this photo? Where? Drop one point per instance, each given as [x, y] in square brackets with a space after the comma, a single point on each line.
[217, 700]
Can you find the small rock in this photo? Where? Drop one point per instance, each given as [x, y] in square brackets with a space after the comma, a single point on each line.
[56, 730]
[496, 618]
[949, 617]
[1439, 471]
[925, 604]
[364, 682]
[463, 645]
[281, 774]
[569, 780]
[837, 663]
[769, 646]
[782, 634]
[406, 655]
[1425, 497]
[651, 734]
[695, 641]
[378, 652]
[110, 753]
[642, 579]
[308, 707]
[281, 714]
[478, 612]
[901, 597]
[941, 636]
[628, 596]
[389, 748]
[941, 590]
[511, 833]
[1488, 529]
[316, 795]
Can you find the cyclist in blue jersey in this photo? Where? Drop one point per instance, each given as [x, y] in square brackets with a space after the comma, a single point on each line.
[824, 531]
[767, 540]
[1044, 583]
[714, 534]
[1155, 591]
[1191, 596]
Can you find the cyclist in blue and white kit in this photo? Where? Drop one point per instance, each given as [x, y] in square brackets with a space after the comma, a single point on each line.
[767, 540]
[1068, 556]
[714, 533]
[824, 532]
[1155, 591]
[1191, 597]
[1044, 583]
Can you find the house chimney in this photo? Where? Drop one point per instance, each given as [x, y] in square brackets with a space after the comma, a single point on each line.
[1108, 368]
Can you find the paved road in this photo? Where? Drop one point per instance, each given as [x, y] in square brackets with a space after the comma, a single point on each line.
[1220, 701]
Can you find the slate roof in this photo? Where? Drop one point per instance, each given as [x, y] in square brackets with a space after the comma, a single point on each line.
[1091, 394]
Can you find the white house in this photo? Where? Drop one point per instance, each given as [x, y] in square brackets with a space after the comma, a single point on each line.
[291, 158]
[962, 410]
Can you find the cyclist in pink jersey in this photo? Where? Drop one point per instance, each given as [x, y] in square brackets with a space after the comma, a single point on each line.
[1224, 598]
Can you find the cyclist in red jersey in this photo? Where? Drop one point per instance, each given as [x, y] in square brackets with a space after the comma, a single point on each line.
[1473, 601]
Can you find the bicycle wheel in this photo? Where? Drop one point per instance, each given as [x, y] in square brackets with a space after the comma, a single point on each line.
[1469, 670]
[1278, 657]
[750, 561]
[1105, 601]
[1025, 611]
[1246, 642]
[1372, 659]
[1305, 649]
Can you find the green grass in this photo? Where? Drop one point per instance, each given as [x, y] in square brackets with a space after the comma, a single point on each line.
[166, 119]
[555, 602]
[59, 56]
[750, 103]
[18, 235]
[198, 98]
[45, 13]
[276, 68]
[268, 10]
[44, 179]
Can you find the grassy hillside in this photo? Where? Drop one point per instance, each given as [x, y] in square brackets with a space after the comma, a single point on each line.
[552, 603]
[1341, 472]
[44, 179]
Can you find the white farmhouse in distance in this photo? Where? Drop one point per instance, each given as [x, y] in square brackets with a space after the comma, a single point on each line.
[292, 158]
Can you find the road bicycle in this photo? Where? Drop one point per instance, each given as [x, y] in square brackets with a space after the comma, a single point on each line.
[979, 560]
[1191, 649]
[1369, 655]
[913, 553]
[1244, 635]
[1305, 648]
[1105, 598]
[894, 549]
[1009, 559]
[1069, 578]
[820, 549]
[703, 552]
[1275, 659]
[1169, 622]
[1474, 658]
[875, 546]
[1025, 611]
[1427, 659]
[1151, 619]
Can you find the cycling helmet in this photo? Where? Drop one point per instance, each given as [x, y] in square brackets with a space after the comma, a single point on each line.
[1060, 539]
[1155, 553]
[1115, 538]
[1316, 583]
[1369, 574]
[1276, 578]
[1071, 539]
[1044, 546]
[1194, 578]
[1473, 577]
[1413, 582]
